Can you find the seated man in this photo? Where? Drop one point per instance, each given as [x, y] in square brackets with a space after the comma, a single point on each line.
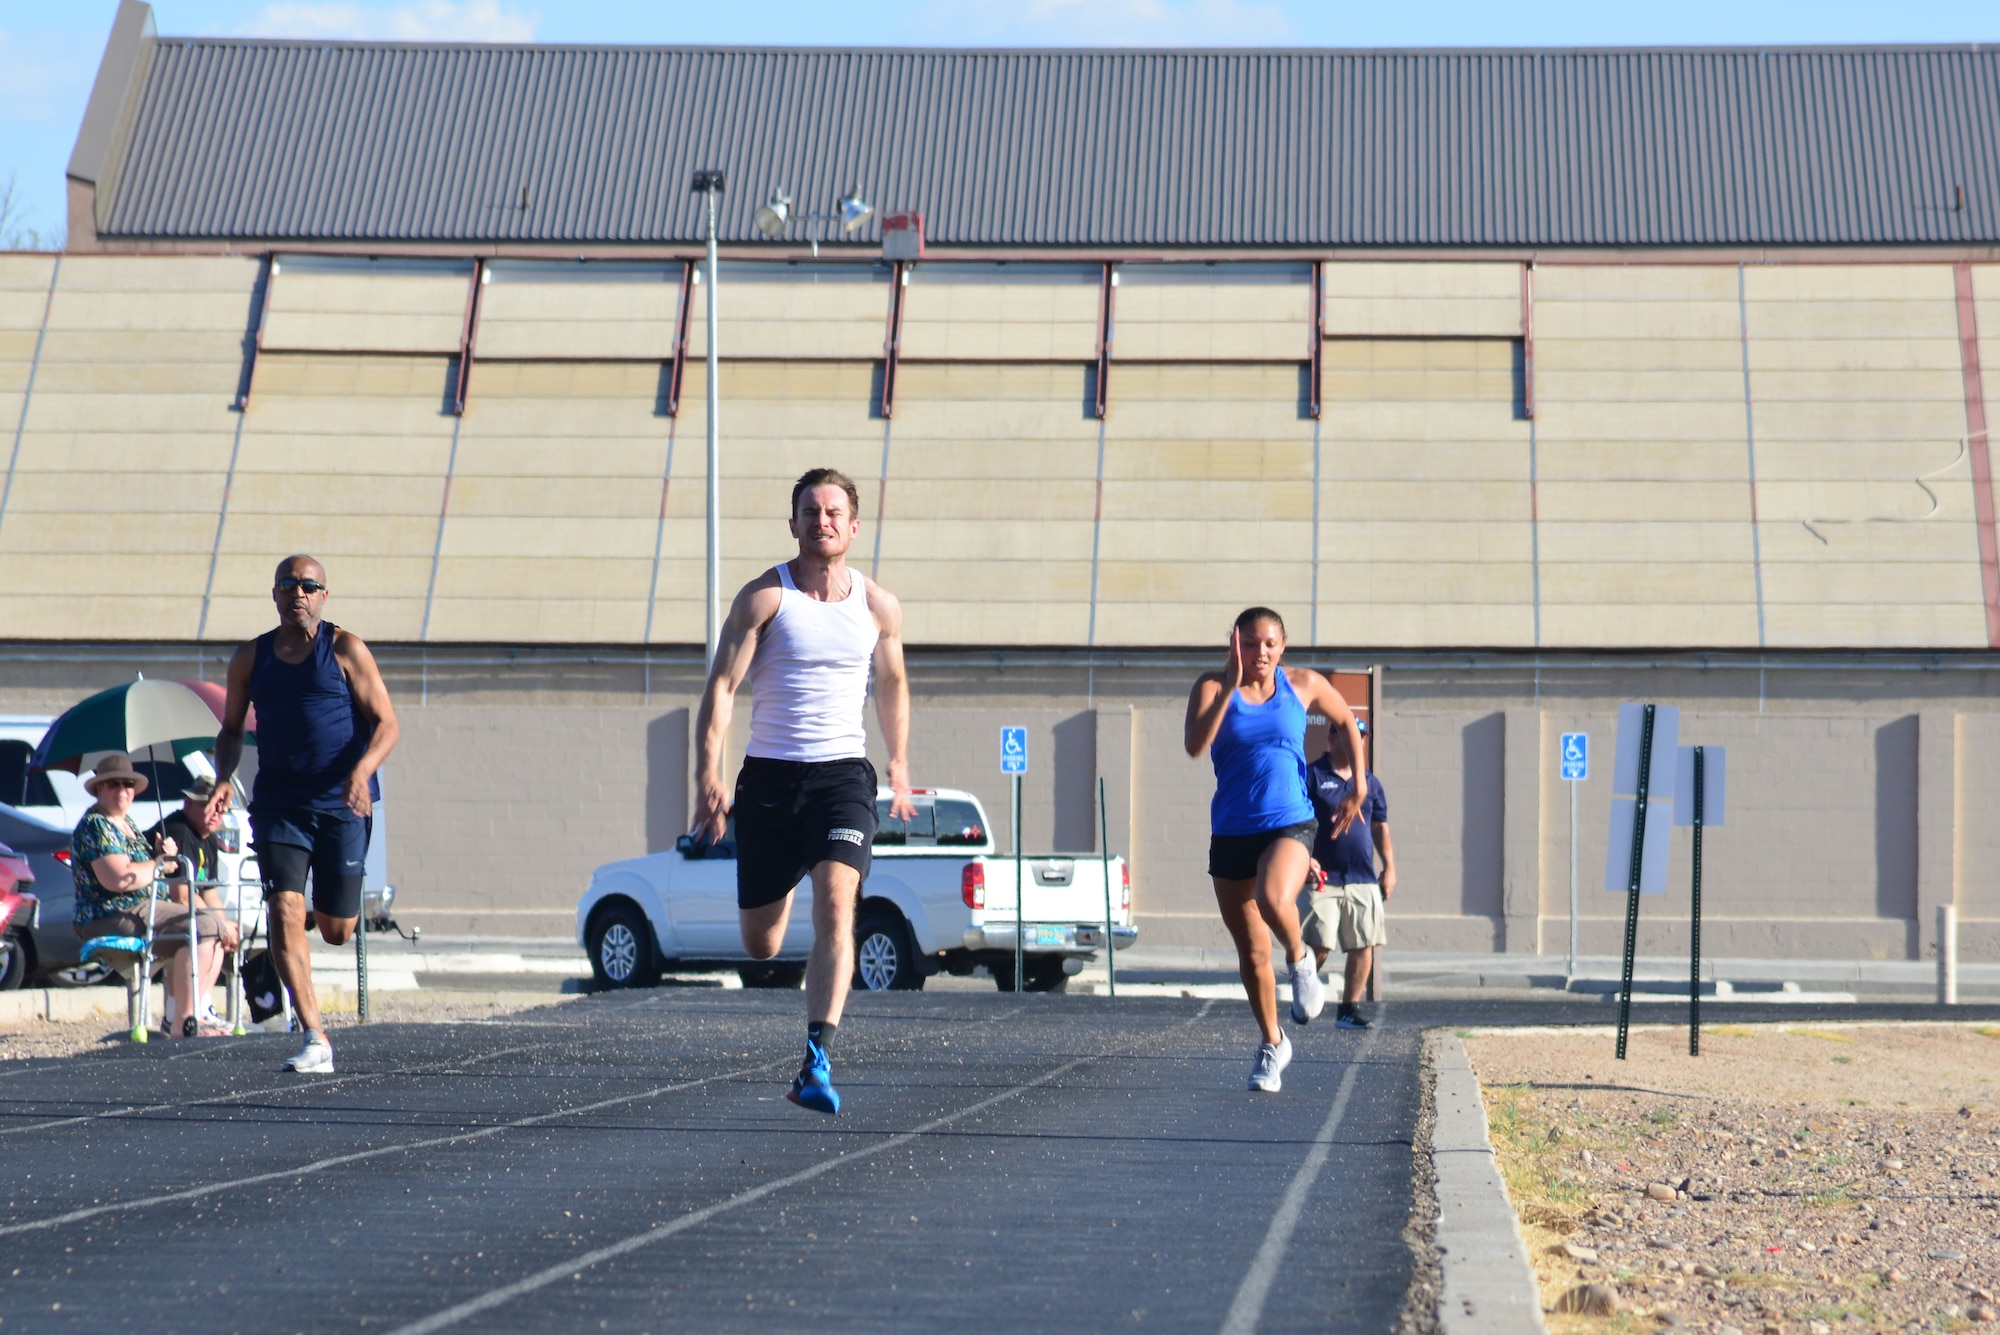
[1344, 904]
[192, 830]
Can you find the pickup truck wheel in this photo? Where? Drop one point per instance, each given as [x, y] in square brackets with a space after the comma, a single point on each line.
[885, 959]
[622, 953]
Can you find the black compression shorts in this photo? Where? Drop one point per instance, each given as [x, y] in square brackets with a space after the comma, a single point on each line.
[792, 815]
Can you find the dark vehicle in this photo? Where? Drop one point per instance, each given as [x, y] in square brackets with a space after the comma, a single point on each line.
[43, 942]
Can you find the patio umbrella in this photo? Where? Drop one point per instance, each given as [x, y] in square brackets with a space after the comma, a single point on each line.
[177, 717]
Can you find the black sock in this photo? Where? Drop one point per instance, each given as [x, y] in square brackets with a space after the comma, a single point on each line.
[821, 1032]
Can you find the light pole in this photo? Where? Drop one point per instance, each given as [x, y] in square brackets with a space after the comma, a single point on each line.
[708, 183]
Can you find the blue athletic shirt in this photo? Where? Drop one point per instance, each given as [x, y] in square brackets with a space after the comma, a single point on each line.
[1260, 764]
[1350, 859]
[309, 738]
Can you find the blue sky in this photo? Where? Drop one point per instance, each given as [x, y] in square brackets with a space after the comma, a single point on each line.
[49, 53]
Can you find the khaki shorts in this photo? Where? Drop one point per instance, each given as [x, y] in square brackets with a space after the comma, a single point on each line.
[1344, 918]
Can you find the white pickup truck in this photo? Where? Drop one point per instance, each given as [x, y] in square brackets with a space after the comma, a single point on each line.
[938, 900]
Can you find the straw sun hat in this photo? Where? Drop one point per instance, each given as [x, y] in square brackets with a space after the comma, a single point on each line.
[117, 765]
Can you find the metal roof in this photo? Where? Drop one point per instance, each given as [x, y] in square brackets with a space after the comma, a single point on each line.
[316, 141]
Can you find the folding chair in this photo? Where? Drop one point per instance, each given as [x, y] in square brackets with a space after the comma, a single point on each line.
[133, 958]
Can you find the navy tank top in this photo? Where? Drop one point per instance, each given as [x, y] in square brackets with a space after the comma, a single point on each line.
[308, 735]
[1260, 764]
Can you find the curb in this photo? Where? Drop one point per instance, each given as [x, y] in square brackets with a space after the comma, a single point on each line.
[1489, 1284]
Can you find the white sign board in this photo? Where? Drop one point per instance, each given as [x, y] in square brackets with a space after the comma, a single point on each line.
[1714, 786]
[1625, 764]
[1653, 866]
[1576, 756]
[1013, 750]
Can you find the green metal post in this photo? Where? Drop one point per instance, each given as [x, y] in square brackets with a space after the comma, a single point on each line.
[1638, 874]
[1694, 978]
[1104, 846]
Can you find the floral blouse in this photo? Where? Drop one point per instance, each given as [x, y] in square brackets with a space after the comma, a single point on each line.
[97, 835]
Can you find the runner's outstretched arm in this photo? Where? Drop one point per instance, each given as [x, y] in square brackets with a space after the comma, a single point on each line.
[756, 603]
[371, 701]
[1317, 693]
[892, 698]
[229, 739]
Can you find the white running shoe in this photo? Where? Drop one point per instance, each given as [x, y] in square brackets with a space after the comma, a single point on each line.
[1308, 992]
[315, 1058]
[1266, 1071]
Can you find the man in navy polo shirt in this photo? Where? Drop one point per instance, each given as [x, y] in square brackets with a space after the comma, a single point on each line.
[1345, 904]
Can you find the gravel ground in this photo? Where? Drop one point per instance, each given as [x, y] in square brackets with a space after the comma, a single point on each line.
[1790, 1179]
[423, 1007]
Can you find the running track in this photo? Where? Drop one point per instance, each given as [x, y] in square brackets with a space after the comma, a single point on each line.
[626, 1163]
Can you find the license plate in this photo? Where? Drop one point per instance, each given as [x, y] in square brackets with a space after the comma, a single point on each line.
[1048, 936]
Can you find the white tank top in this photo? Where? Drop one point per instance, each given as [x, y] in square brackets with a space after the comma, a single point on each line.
[809, 677]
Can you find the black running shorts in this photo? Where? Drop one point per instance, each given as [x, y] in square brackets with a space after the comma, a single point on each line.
[332, 845]
[792, 815]
[1234, 857]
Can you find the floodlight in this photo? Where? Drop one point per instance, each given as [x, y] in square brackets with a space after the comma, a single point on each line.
[773, 217]
[854, 211]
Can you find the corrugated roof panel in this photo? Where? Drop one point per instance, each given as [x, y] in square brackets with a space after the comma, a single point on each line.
[304, 141]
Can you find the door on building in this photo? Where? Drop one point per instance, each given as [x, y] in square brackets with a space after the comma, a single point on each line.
[1358, 689]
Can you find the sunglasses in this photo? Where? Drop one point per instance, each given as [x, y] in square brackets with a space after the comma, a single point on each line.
[118, 783]
[305, 586]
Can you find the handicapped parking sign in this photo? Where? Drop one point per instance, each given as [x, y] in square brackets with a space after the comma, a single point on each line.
[1576, 755]
[1013, 750]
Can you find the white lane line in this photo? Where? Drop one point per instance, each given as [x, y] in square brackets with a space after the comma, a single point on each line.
[292, 1086]
[451, 1316]
[1256, 1287]
[405, 1147]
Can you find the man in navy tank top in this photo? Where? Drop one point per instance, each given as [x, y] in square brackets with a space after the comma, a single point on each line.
[324, 727]
[805, 634]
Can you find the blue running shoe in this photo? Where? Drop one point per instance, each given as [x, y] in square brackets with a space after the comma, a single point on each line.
[813, 1087]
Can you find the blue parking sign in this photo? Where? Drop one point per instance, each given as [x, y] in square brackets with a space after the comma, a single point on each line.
[1013, 750]
[1576, 756]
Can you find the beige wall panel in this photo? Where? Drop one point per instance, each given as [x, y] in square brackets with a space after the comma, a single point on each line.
[1689, 579]
[1672, 284]
[1424, 494]
[72, 512]
[1978, 747]
[1181, 313]
[1614, 542]
[398, 309]
[778, 420]
[833, 311]
[55, 417]
[1847, 284]
[1003, 459]
[336, 377]
[27, 273]
[1874, 626]
[140, 378]
[1646, 501]
[227, 312]
[1416, 299]
[536, 310]
[97, 616]
[1859, 394]
[994, 313]
[1709, 386]
[1624, 624]
[1612, 319]
[1596, 422]
[175, 349]
[123, 275]
[114, 575]
[541, 621]
[1914, 583]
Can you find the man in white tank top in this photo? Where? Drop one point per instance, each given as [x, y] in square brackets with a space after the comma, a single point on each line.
[806, 634]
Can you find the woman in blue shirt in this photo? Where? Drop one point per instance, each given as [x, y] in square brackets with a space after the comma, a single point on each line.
[1251, 719]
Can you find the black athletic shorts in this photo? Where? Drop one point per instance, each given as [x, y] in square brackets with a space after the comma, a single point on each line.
[332, 845]
[792, 815]
[1233, 857]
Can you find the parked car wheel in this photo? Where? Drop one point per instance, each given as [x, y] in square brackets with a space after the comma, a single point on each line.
[885, 959]
[622, 951]
[13, 961]
[787, 976]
